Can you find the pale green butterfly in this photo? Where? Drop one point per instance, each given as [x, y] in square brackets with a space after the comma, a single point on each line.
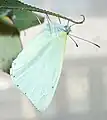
[36, 70]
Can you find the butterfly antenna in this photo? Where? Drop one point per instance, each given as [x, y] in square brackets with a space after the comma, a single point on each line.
[85, 40]
[47, 16]
[49, 21]
[73, 41]
[67, 23]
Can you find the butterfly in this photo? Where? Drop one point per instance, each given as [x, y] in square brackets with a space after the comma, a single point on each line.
[36, 70]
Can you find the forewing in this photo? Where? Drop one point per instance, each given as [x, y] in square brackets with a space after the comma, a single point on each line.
[37, 68]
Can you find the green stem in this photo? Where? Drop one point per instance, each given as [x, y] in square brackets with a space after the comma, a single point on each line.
[31, 8]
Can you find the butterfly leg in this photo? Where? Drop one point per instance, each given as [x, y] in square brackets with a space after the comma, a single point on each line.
[59, 20]
[49, 21]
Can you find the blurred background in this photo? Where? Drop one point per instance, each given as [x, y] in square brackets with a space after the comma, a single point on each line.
[82, 90]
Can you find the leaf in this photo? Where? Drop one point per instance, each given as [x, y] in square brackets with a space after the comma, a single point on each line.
[10, 45]
[24, 18]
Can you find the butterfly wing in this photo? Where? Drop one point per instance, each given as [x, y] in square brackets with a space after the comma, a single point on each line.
[37, 68]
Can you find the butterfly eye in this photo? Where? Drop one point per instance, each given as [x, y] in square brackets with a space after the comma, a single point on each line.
[65, 27]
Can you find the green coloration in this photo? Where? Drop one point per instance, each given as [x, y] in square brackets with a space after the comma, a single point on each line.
[15, 4]
[36, 70]
[24, 19]
[10, 45]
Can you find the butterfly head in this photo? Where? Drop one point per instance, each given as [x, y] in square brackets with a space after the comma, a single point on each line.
[57, 28]
[67, 29]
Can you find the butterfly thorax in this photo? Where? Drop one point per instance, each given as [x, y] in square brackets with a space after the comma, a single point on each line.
[55, 27]
[67, 29]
